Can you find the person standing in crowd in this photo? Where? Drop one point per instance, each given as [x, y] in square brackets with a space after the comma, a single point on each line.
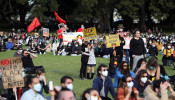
[19, 52]
[67, 82]
[126, 91]
[32, 93]
[159, 91]
[90, 94]
[41, 38]
[141, 82]
[81, 28]
[137, 49]
[91, 61]
[84, 60]
[9, 45]
[103, 83]
[119, 49]
[152, 68]
[63, 28]
[121, 71]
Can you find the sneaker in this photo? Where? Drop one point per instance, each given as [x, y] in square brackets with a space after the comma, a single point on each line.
[44, 52]
[40, 53]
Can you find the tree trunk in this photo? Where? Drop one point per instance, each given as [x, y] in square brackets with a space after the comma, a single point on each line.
[22, 15]
[142, 17]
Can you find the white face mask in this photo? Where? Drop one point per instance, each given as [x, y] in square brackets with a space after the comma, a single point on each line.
[105, 73]
[37, 87]
[70, 86]
[144, 79]
[120, 29]
[130, 84]
[93, 98]
[20, 51]
[169, 47]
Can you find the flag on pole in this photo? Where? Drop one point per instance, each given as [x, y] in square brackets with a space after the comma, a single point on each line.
[59, 18]
[35, 23]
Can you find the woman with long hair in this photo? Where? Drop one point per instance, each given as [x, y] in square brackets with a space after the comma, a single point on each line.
[121, 71]
[126, 91]
[152, 68]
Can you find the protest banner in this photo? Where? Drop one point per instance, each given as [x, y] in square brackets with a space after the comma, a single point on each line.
[127, 43]
[46, 32]
[1, 33]
[112, 40]
[90, 33]
[12, 72]
[69, 36]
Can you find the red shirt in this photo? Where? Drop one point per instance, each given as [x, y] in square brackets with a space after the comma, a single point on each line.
[60, 36]
[80, 30]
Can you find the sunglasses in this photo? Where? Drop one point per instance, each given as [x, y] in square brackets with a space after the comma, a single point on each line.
[125, 65]
[105, 70]
[144, 76]
[130, 81]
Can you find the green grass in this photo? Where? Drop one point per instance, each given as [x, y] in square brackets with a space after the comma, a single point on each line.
[67, 65]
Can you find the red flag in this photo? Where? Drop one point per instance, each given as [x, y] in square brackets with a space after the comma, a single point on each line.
[35, 23]
[59, 18]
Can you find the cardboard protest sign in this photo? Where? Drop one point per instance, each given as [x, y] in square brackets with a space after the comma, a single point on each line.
[127, 43]
[1, 33]
[90, 33]
[69, 36]
[112, 40]
[12, 72]
[46, 32]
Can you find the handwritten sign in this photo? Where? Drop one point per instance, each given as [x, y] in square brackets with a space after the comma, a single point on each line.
[46, 32]
[12, 72]
[127, 43]
[112, 40]
[90, 33]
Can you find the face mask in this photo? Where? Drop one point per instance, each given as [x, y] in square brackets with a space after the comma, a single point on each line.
[170, 41]
[69, 44]
[23, 74]
[130, 84]
[20, 51]
[150, 42]
[76, 45]
[151, 67]
[39, 43]
[47, 42]
[169, 47]
[70, 86]
[120, 29]
[37, 87]
[157, 40]
[82, 26]
[144, 79]
[93, 98]
[153, 45]
[41, 78]
[105, 73]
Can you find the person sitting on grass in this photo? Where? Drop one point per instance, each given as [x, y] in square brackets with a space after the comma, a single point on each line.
[90, 94]
[42, 48]
[103, 83]
[76, 49]
[9, 45]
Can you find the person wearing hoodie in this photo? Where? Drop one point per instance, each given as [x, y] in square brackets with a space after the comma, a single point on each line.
[159, 91]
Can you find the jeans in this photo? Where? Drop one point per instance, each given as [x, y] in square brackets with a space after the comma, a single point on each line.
[127, 54]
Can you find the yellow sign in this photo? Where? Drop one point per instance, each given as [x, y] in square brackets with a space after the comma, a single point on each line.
[112, 40]
[90, 34]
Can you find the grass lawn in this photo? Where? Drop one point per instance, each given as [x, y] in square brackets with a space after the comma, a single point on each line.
[68, 65]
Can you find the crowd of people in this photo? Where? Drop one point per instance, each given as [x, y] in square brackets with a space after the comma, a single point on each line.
[136, 71]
